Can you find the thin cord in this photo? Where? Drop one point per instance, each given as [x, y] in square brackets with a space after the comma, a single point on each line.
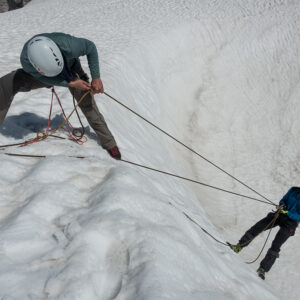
[189, 148]
[194, 181]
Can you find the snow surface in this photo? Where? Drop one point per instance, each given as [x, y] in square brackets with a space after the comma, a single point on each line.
[222, 76]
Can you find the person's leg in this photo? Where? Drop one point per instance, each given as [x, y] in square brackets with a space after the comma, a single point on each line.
[95, 118]
[287, 229]
[273, 253]
[24, 82]
[11, 84]
[256, 229]
[14, 4]
[251, 233]
[6, 94]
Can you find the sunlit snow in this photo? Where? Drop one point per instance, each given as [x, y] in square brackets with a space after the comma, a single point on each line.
[221, 76]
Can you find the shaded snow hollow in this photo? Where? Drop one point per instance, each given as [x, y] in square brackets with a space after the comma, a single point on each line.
[222, 76]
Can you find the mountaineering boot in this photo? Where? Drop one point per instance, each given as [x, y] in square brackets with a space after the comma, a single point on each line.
[236, 248]
[114, 152]
[261, 273]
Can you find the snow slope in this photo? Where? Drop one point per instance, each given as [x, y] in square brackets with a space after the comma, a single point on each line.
[220, 75]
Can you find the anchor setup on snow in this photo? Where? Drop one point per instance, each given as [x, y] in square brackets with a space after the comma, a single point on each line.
[72, 132]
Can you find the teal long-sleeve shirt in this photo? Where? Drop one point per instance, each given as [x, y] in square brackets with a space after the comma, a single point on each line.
[73, 48]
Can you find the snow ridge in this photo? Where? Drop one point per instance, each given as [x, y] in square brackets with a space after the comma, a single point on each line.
[205, 71]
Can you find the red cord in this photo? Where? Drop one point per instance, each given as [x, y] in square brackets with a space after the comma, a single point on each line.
[70, 129]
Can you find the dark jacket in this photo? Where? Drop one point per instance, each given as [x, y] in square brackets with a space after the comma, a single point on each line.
[291, 201]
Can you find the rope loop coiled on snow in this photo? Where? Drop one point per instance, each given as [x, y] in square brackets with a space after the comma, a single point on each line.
[40, 135]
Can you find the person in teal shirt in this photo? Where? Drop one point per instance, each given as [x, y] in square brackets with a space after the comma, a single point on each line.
[53, 59]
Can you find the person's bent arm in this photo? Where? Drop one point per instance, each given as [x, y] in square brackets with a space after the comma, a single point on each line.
[80, 84]
[81, 47]
[97, 86]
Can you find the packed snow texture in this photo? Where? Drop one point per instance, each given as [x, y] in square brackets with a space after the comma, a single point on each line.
[223, 77]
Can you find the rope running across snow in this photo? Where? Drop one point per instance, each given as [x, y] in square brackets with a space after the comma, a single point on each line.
[184, 213]
[189, 148]
[159, 171]
[195, 181]
[42, 136]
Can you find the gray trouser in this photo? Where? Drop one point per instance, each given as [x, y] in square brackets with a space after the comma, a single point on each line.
[13, 4]
[19, 81]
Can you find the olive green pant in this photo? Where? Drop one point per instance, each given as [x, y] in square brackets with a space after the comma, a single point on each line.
[20, 81]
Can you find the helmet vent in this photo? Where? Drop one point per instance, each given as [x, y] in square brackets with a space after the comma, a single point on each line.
[45, 56]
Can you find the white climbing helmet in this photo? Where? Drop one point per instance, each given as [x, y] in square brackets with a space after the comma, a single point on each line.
[45, 56]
